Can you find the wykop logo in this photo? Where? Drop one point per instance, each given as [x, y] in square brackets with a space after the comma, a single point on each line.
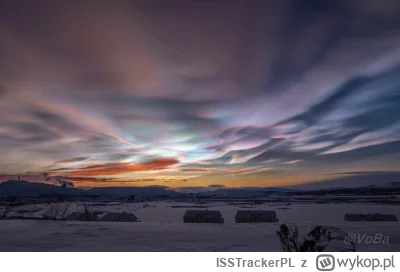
[325, 262]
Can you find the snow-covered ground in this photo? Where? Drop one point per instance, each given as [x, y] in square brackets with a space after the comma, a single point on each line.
[161, 229]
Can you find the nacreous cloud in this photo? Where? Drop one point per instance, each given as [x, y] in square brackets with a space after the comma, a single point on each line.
[199, 92]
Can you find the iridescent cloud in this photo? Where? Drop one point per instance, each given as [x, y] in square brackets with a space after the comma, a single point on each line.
[193, 93]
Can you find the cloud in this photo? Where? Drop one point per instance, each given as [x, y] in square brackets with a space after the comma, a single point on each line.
[360, 116]
[121, 168]
[193, 170]
[224, 86]
[216, 186]
[292, 162]
[77, 159]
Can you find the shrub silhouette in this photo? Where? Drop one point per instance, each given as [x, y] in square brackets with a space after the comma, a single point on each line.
[55, 211]
[11, 202]
[321, 238]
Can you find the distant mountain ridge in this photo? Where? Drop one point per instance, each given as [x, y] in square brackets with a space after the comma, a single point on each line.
[393, 184]
[35, 189]
[246, 192]
[32, 189]
[137, 191]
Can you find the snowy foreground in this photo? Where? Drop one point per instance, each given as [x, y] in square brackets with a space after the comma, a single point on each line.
[161, 229]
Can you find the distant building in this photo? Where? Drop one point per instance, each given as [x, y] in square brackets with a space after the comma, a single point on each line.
[203, 216]
[81, 216]
[119, 217]
[370, 217]
[252, 216]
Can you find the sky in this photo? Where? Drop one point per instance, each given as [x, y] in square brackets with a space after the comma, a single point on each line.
[210, 93]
